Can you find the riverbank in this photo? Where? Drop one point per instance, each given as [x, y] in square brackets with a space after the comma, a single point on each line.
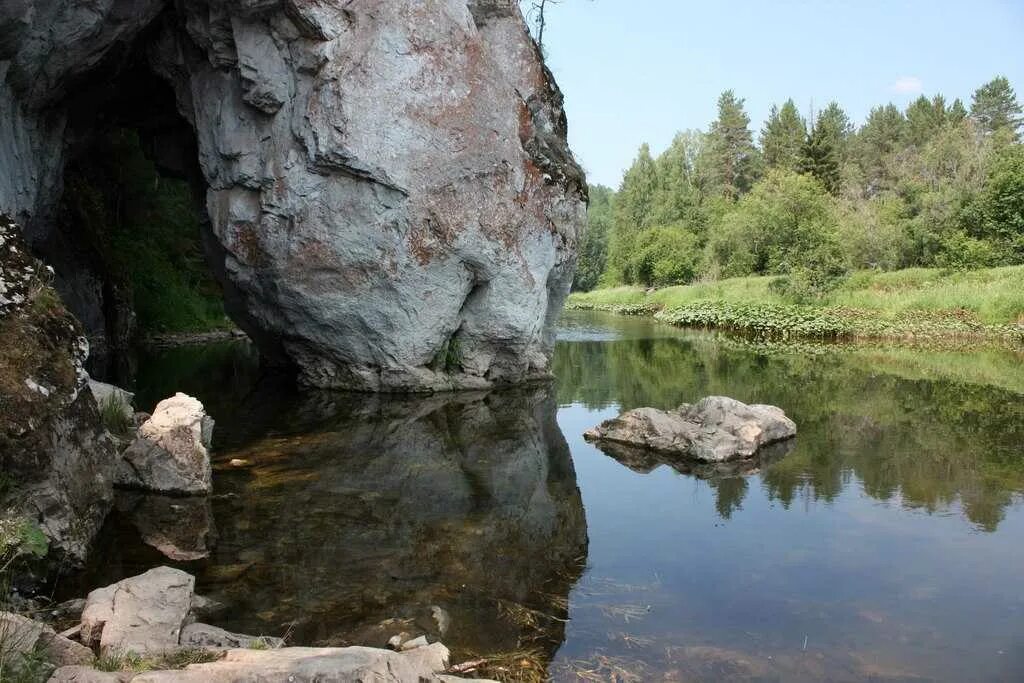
[913, 306]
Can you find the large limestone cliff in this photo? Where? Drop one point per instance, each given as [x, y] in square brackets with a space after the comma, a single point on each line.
[392, 203]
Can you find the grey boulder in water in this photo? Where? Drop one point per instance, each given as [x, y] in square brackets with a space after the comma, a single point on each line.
[715, 429]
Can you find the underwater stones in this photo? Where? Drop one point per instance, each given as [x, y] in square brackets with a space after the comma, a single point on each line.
[716, 429]
[170, 453]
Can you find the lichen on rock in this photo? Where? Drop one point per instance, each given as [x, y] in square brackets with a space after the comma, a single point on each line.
[56, 458]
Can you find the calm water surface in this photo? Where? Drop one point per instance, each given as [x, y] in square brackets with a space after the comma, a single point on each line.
[887, 545]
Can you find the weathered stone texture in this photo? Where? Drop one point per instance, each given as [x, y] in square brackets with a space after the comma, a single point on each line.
[393, 205]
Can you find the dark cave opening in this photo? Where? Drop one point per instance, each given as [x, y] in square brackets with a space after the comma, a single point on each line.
[126, 241]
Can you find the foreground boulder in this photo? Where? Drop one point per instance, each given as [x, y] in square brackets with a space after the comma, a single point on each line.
[716, 429]
[149, 617]
[291, 665]
[56, 459]
[143, 614]
[23, 641]
[392, 201]
[171, 452]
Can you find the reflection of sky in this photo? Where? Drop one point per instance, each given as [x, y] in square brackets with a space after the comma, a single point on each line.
[863, 580]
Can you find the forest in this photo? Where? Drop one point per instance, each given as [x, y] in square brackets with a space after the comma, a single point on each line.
[815, 198]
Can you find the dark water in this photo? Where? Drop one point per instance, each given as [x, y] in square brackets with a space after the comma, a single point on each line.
[887, 545]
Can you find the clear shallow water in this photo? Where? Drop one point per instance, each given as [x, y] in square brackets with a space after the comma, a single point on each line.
[888, 544]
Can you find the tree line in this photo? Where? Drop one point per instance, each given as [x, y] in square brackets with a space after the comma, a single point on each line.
[933, 185]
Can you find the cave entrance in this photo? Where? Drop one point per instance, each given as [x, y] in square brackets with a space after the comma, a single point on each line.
[128, 241]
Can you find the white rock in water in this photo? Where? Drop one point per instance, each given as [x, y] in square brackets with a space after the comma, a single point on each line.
[171, 451]
[715, 429]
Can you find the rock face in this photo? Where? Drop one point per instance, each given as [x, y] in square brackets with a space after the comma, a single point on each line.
[56, 459]
[715, 429]
[392, 204]
[171, 453]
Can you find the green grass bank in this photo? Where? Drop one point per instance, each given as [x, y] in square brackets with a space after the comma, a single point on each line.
[914, 305]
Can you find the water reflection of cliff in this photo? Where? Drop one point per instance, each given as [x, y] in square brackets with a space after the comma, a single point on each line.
[930, 430]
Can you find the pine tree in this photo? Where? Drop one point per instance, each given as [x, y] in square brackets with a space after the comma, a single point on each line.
[835, 124]
[925, 118]
[677, 198]
[957, 112]
[820, 155]
[733, 157]
[879, 137]
[994, 107]
[782, 137]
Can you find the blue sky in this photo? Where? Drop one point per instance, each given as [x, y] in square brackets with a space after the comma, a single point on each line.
[637, 71]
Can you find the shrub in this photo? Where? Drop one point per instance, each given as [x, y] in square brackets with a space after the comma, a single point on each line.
[779, 226]
[663, 256]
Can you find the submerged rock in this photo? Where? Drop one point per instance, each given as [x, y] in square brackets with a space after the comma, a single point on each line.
[716, 429]
[447, 509]
[147, 615]
[171, 451]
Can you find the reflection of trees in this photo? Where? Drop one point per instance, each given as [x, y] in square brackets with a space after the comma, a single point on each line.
[729, 494]
[930, 442]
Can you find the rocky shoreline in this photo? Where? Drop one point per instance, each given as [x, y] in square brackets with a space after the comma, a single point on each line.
[146, 629]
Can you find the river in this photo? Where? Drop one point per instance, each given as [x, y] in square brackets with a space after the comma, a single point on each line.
[887, 544]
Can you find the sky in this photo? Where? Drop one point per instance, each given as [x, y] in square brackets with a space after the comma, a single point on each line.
[636, 71]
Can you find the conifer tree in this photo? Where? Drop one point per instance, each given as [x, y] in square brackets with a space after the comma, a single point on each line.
[925, 118]
[732, 156]
[782, 137]
[820, 155]
[879, 137]
[994, 107]
[957, 111]
[835, 124]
